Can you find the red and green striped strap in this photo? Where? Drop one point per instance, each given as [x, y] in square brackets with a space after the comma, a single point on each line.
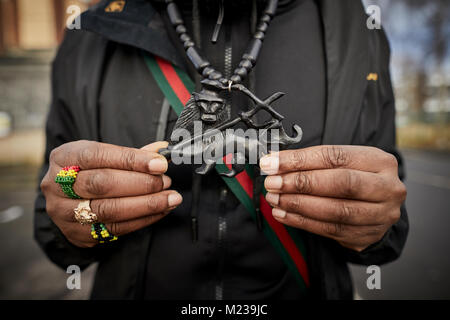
[177, 88]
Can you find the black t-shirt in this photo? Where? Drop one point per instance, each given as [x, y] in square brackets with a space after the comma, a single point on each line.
[232, 259]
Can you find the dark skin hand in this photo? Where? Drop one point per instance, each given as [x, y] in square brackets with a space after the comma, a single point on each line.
[128, 188]
[351, 194]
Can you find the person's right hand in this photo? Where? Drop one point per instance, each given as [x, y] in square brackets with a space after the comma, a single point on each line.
[127, 186]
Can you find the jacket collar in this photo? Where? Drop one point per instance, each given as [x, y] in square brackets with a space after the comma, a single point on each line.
[346, 39]
[135, 23]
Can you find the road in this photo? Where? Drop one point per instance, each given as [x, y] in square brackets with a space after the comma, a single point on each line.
[422, 272]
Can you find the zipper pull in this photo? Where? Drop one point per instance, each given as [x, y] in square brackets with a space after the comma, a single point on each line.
[219, 22]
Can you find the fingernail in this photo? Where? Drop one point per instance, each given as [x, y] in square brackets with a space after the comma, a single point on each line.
[269, 164]
[158, 165]
[174, 199]
[273, 182]
[278, 213]
[166, 181]
[273, 198]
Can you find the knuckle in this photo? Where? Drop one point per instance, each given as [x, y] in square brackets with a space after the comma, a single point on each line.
[98, 183]
[350, 184]
[297, 158]
[335, 156]
[51, 207]
[302, 182]
[153, 183]
[300, 221]
[45, 184]
[396, 191]
[57, 212]
[53, 154]
[390, 159]
[334, 229]
[153, 205]
[373, 215]
[295, 204]
[380, 183]
[345, 214]
[128, 159]
[106, 209]
[401, 191]
[90, 155]
[394, 216]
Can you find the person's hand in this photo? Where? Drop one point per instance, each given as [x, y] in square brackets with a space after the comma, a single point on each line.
[348, 193]
[127, 186]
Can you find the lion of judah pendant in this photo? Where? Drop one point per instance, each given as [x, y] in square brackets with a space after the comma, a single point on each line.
[203, 133]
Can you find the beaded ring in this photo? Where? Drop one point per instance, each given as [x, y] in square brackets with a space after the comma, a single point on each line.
[66, 178]
[100, 233]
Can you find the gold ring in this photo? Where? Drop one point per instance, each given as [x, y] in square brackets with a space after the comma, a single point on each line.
[84, 214]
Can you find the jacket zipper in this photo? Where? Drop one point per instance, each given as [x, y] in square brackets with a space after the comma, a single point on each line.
[222, 221]
[221, 234]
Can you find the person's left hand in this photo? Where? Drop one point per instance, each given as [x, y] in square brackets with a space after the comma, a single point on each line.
[348, 193]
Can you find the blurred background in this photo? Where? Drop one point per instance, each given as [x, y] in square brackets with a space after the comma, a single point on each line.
[419, 34]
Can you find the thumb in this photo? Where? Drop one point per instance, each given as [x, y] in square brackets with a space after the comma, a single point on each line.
[155, 146]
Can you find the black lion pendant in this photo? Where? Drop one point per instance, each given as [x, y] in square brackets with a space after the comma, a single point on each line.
[201, 131]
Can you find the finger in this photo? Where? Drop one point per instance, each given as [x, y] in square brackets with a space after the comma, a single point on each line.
[116, 209]
[155, 146]
[328, 157]
[112, 183]
[348, 212]
[340, 232]
[80, 235]
[335, 183]
[130, 208]
[96, 155]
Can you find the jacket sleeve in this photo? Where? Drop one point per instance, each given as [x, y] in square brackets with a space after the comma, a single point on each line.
[391, 245]
[60, 129]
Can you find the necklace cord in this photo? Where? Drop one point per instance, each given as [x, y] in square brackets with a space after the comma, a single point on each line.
[202, 65]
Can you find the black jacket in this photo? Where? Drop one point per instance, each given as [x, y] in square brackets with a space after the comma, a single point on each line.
[107, 53]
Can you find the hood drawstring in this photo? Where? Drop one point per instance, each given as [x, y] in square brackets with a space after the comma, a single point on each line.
[258, 179]
[162, 121]
[219, 22]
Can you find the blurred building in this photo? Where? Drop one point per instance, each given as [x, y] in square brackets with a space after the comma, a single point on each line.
[34, 24]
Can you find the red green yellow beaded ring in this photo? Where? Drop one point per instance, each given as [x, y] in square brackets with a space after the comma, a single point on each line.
[66, 178]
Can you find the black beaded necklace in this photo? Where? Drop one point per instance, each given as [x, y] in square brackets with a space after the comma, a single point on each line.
[212, 104]
[203, 66]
